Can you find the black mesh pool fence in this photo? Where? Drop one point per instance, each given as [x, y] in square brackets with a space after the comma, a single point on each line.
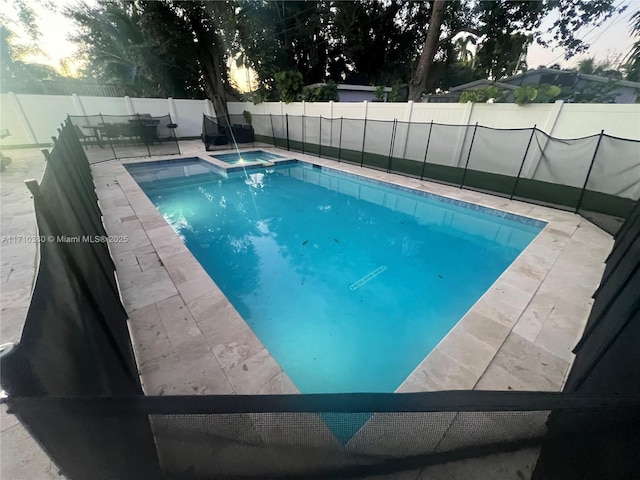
[226, 131]
[597, 176]
[109, 137]
[72, 381]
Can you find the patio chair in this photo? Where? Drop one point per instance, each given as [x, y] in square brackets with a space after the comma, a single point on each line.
[86, 139]
[212, 133]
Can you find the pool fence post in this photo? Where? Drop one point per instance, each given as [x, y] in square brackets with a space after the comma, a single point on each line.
[99, 137]
[273, 132]
[286, 116]
[586, 180]
[466, 165]
[524, 158]
[364, 136]
[393, 140]
[320, 139]
[340, 142]
[143, 132]
[302, 133]
[424, 162]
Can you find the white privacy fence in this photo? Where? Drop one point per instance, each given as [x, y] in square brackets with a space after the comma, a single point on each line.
[33, 119]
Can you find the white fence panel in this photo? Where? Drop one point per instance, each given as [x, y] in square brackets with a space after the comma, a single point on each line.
[189, 117]
[157, 107]
[45, 117]
[584, 119]
[104, 105]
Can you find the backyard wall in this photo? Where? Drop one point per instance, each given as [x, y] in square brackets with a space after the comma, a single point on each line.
[33, 119]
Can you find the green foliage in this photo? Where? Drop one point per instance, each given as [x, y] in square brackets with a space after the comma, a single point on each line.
[378, 94]
[324, 93]
[247, 116]
[289, 85]
[542, 93]
[483, 95]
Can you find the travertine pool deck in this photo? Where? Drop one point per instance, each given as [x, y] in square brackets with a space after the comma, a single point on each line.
[189, 339]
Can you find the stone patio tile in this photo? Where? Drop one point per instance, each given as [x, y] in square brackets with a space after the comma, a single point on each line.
[234, 346]
[177, 320]
[405, 433]
[497, 378]
[445, 373]
[252, 374]
[531, 321]
[503, 303]
[125, 259]
[183, 267]
[150, 221]
[148, 261]
[149, 337]
[281, 384]
[166, 242]
[563, 328]
[467, 350]
[22, 458]
[518, 465]
[145, 288]
[484, 328]
[536, 367]
[205, 307]
[190, 369]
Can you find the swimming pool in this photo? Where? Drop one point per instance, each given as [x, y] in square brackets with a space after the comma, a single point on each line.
[349, 283]
[247, 157]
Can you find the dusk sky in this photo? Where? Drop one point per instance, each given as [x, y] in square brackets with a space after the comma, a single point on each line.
[612, 39]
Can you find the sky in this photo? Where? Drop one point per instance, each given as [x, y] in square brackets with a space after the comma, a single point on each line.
[611, 39]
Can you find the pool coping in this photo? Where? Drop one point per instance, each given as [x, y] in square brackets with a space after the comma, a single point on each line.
[518, 335]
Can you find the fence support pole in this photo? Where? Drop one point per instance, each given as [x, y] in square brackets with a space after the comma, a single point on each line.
[426, 150]
[143, 131]
[466, 165]
[273, 132]
[524, 158]
[320, 139]
[303, 133]
[393, 140]
[99, 137]
[286, 116]
[364, 135]
[340, 142]
[586, 180]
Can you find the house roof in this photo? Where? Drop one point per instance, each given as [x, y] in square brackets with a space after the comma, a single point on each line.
[483, 82]
[553, 71]
[345, 86]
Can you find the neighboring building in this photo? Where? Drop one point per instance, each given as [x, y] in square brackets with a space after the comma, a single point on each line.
[355, 93]
[624, 91]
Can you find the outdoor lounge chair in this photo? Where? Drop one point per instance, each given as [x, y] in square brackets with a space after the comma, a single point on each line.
[212, 133]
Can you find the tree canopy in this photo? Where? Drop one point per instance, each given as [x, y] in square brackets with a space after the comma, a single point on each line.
[182, 48]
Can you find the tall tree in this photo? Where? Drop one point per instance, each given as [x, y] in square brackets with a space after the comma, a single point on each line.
[632, 65]
[278, 36]
[164, 48]
[418, 83]
[505, 25]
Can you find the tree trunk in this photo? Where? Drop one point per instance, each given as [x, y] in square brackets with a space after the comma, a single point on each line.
[214, 71]
[418, 83]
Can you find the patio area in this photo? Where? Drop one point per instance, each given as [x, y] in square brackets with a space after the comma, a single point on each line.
[189, 339]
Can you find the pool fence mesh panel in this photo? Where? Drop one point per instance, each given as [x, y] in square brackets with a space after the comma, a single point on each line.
[597, 176]
[224, 133]
[109, 137]
[73, 383]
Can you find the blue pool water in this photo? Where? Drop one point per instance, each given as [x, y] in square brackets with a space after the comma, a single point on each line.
[348, 283]
[247, 157]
